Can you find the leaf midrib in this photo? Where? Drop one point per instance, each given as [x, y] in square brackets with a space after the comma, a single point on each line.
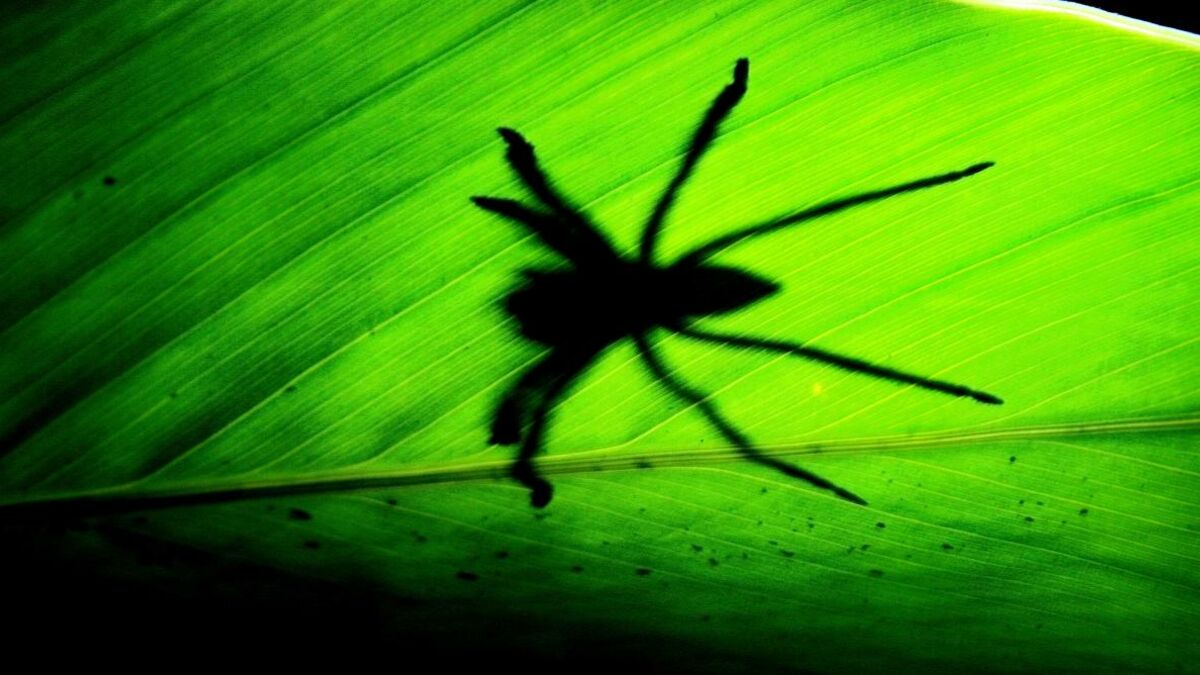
[128, 497]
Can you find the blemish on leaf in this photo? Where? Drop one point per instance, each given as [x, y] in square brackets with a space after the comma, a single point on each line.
[290, 388]
[788, 554]
[467, 576]
[947, 547]
[501, 554]
[643, 464]
[881, 525]
[643, 571]
[577, 569]
[391, 502]
[697, 548]
[864, 547]
[299, 514]
[875, 573]
[1029, 519]
[762, 491]
[713, 562]
[419, 538]
[705, 618]
[1083, 512]
[110, 181]
[1012, 460]
[312, 544]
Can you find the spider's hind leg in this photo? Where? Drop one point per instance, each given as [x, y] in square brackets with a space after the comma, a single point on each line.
[844, 363]
[707, 408]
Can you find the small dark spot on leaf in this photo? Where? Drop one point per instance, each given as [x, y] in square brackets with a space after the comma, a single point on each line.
[420, 538]
[788, 554]
[772, 542]
[643, 464]
[299, 514]
[1022, 502]
[174, 394]
[643, 571]
[745, 556]
[577, 568]
[110, 181]
[391, 502]
[467, 576]
[763, 491]
[947, 547]
[502, 554]
[713, 562]
[1012, 459]
[865, 546]
[642, 510]
[1029, 519]
[875, 573]
[1083, 512]
[697, 548]
[1041, 503]
[312, 544]
[881, 525]
[539, 516]
[290, 388]
[705, 618]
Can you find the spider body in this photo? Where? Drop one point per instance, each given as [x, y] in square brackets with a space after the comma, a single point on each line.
[601, 297]
[564, 308]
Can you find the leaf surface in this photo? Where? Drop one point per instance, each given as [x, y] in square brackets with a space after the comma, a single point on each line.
[248, 310]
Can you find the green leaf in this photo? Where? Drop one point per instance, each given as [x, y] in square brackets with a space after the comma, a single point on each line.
[252, 339]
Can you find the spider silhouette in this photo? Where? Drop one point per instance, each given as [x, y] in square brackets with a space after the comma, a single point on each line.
[602, 297]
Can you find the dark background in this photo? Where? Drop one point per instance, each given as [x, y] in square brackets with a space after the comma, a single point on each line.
[1181, 14]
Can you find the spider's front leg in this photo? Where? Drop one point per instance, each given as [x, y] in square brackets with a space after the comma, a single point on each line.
[542, 385]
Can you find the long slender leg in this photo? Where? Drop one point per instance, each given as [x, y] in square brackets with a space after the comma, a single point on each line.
[707, 408]
[721, 243]
[705, 133]
[843, 362]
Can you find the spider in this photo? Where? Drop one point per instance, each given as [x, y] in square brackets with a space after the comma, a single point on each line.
[602, 297]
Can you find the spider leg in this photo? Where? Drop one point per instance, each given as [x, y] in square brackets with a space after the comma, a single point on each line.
[709, 409]
[550, 378]
[719, 244]
[587, 242]
[578, 245]
[721, 106]
[843, 362]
